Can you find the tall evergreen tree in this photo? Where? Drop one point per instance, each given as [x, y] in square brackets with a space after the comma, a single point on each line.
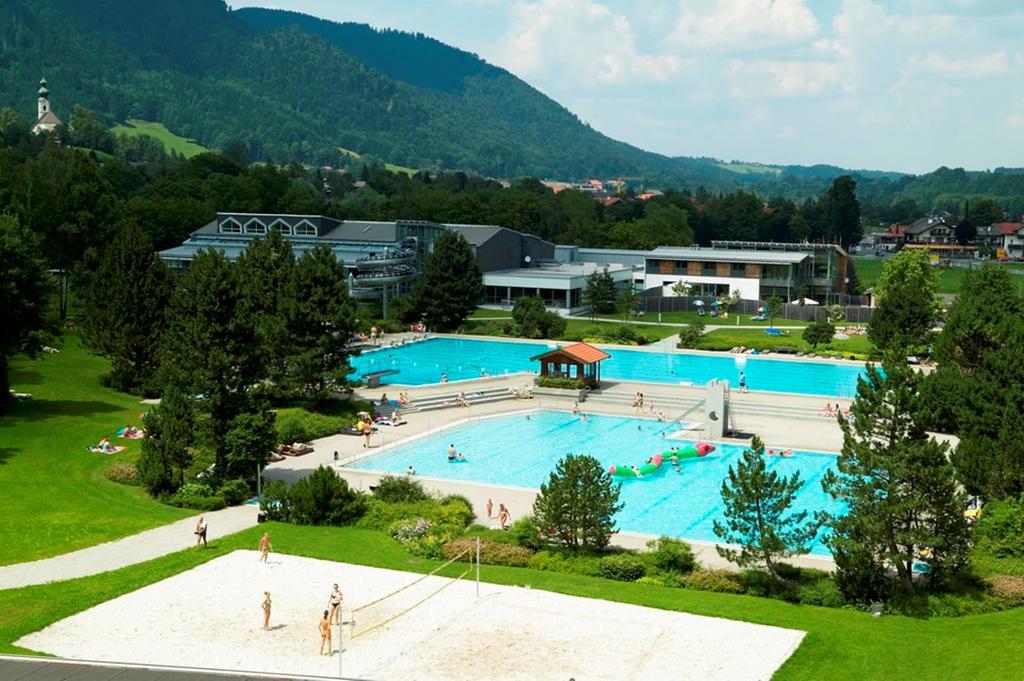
[451, 284]
[897, 482]
[577, 503]
[125, 307]
[599, 293]
[320, 320]
[758, 514]
[844, 211]
[165, 456]
[907, 306]
[265, 271]
[248, 441]
[25, 289]
[209, 349]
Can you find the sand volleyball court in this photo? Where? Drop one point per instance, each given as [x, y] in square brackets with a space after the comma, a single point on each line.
[210, 617]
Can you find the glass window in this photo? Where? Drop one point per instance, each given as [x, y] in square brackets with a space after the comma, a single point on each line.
[738, 269]
[305, 228]
[709, 269]
[255, 227]
[231, 226]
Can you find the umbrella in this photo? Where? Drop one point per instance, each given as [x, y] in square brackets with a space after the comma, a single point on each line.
[699, 303]
[762, 309]
[807, 301]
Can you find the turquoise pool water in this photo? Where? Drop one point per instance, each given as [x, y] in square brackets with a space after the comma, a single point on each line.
[425, 361]
[514, 450]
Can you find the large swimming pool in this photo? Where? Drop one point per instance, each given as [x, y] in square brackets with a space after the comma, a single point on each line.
[514, 450]
[425, 362]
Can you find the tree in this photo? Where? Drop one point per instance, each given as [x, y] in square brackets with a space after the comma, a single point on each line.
[320, 321]
[727, 302]
[681, 288]
[165, 452]
[323, 498]
[124, 308]
[266, 269]
[599, 293]
[450, 285]
[577, 503]
[690, 335]
[528, 314]
[630, 301]
[897, 482]
[87, 130]
[819, 332]
[844, 211]
[907, 306]
[25, 290]
[774, 307]
[247, 443]
[757, 514]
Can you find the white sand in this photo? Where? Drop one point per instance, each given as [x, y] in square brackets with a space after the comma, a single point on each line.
[210, 617]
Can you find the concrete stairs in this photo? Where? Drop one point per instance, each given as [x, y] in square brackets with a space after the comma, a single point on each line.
[448, 400]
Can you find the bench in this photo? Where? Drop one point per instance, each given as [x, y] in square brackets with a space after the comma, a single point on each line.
[373, 378]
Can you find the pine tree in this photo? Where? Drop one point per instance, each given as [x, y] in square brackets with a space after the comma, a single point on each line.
[843, 210]
[320, 320]
[906, 302]
[758, 515]
[125, 308]
[897, 482]
[165, 452]
[265, 271]
[25, 292]
[577, 503]
[451, 284]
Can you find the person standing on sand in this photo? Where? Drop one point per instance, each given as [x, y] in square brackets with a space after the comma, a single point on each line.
[201, 532]
[325, 634]
[265, 547]
[490, 509]
[503, 516]
[335, 604]
[266, 611]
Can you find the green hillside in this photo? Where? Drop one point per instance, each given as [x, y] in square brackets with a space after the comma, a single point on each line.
[171, 142]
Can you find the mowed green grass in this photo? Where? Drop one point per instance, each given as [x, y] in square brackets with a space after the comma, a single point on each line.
[870, 269]
[53, 495]
[184, 146]
[725, 339]
[840, 643]
[390, 167]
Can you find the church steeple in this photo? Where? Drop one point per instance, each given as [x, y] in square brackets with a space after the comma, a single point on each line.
[44, 98]
[47, 120]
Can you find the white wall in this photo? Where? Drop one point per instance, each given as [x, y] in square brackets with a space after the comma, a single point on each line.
[750, 289]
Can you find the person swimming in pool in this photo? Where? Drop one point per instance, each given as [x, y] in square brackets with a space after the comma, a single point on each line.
[451, 452]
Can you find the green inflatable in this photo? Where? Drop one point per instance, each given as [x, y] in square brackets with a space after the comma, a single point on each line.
[646, 469]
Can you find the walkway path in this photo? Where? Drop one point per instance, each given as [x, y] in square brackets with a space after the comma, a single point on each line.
[136, 548]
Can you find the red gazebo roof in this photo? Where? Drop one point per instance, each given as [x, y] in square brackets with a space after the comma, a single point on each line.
[584, 353]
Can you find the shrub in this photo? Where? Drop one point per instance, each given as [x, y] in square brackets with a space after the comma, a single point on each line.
[764, 585]
[399, 489]
[625, 567]
[525, 532]
[235, 491]
[492, 553]
[720, 581]
[275, 502]
[654, 581]
[949, 604]
[555, 325]
[822, 592]
[382, 516]
[819, 333]
[123, 474]
[1000, 530]
[292, 428]
[557, 561]
[303, 426]
[624, 334]
[194, 489]
[690, 335]
[671, 555]
[1007, 588]
[198, 496]
[323, 498]
[563, 383]
[455, 499]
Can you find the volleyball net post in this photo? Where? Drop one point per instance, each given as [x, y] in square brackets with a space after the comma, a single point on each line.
[478, 567]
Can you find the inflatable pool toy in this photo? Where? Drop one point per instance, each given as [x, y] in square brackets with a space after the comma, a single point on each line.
[695, 451]
[646, 469]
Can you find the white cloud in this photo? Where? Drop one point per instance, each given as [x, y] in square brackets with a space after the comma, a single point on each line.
[761, 78]
[581, 39]
[1014, 120]
[744, 25]
[993, 64]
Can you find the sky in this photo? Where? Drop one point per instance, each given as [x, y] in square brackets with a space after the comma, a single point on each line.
[906, 85]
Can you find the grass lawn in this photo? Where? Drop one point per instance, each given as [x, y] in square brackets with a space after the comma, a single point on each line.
[182, 145]
[689, 317]
[390, 167]
[54, 497]
[576, 328]
[869, 269]
[840, 643]
[725, 339]
[485, 313]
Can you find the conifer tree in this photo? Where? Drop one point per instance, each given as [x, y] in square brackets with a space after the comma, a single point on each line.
[758, 515]
[906, 302]
[577, 504]
[165, 452]
[265, 271]
[902, 498]
[125, 308]
[451, 284]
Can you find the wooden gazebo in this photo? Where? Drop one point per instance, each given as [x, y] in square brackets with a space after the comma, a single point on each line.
[579, 360]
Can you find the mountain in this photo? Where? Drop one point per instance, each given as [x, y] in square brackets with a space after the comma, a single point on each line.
[299, 88]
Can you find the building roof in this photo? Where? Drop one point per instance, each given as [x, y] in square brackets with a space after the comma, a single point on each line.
[583, 353]
[567, 270]
[929, 222]
[728, 255]
[476, 235]
[1008, 228]
[48, 118]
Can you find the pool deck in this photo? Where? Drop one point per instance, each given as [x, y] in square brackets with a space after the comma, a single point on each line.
[781, 420]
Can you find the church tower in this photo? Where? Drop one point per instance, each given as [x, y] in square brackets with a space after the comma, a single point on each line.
[47, 120]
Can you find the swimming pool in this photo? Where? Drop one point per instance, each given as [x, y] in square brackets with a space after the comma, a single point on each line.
[514, 450]
[460, 358]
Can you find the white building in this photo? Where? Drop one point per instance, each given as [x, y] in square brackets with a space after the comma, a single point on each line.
[47, 121]
[713, 272]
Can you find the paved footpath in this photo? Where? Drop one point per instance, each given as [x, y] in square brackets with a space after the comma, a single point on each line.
[130, 550]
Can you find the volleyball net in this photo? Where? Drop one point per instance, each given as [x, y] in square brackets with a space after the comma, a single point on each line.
[379, 611]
